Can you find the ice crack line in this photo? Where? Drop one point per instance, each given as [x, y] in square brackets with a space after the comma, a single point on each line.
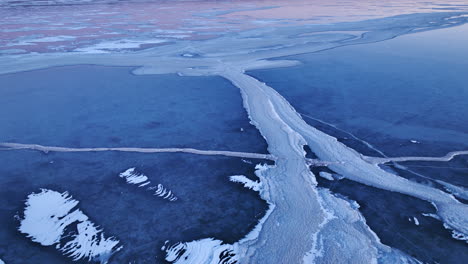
[448, 157]
[46, 149]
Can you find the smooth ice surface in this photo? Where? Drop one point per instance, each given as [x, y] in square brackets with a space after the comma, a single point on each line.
[386, 93]
[92, 106]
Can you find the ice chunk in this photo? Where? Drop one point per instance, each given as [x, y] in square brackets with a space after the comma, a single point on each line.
[326, 175]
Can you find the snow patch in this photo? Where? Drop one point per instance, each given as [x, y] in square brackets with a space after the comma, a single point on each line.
[414, 220]
[253, 185]
[131, 176]
[207, 251]
[51, 218]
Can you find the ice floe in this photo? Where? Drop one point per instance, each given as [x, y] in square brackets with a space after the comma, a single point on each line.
[326, 175]
[52, 218]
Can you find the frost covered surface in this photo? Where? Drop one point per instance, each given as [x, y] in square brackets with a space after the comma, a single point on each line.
[133, 177]
[51, 218]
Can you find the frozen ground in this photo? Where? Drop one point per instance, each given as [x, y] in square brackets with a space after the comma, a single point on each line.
[303, 223]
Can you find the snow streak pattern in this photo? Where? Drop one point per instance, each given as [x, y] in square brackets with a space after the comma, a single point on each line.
[51, 218]
[131, 176]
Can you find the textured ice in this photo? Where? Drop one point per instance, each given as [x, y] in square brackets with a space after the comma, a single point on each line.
[456, 234]
[51, 218]
[457, 191]
[207, 251]
[303, 223]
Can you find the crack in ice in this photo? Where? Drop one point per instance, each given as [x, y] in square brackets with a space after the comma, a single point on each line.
[46, 149]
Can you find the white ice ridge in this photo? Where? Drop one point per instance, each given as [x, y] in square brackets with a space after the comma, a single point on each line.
[51, 218]
[1, 262]
[46, 149]
[248, 183]
[131, 176]
[270, 107]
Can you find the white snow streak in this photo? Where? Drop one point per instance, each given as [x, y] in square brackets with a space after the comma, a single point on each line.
[133, 177]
